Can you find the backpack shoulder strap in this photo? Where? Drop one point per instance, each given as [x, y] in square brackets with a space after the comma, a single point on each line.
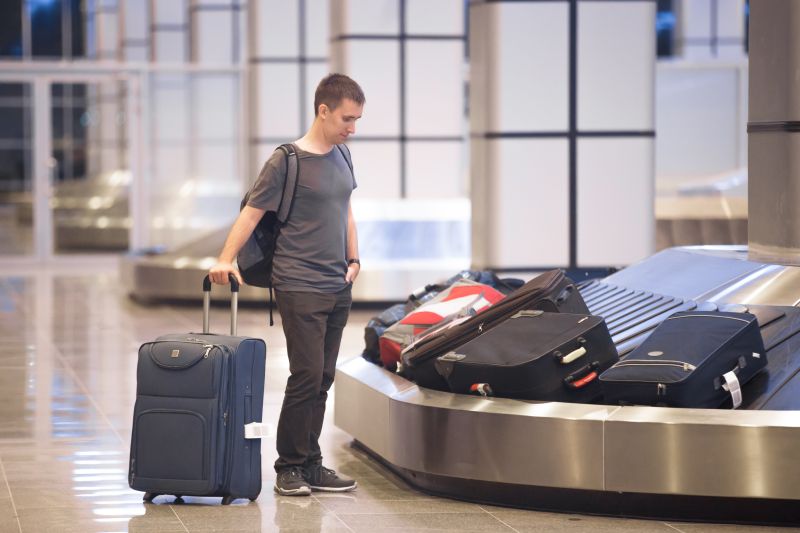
[346, 154]
[290, 184]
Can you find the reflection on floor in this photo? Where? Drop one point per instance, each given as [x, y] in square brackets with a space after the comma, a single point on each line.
[67, 384]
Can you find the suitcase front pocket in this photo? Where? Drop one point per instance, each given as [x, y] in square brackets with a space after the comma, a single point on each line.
[171, 445]
[663, 371]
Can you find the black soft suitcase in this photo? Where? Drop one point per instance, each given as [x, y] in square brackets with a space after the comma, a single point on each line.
[195, 393]
[549, 290]
[693, 359]
[563, 298]
[534, 356]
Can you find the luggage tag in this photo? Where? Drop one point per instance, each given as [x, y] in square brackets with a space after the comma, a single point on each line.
[259, 430]
[732, 385]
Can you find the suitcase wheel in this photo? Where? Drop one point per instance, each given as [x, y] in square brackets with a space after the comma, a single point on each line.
[149, 497]
[227, 500]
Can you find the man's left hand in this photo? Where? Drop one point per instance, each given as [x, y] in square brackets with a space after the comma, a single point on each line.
[352, 272]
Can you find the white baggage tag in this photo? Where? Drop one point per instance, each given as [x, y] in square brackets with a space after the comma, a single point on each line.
[258, 430]
[732, 385]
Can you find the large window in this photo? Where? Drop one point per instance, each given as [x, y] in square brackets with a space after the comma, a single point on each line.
[46, 29]
[10, 29]
[665, 29]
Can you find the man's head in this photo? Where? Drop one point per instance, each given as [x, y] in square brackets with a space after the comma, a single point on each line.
[333, 89]
[338, 103]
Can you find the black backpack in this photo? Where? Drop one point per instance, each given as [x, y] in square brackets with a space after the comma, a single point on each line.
[255, 258]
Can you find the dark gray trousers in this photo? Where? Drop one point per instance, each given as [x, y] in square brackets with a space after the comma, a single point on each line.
[313, 323]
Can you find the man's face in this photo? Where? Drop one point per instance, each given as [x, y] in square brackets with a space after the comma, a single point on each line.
[341, 122]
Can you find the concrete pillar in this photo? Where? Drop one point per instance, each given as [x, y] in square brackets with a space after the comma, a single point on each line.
[773, 140]
[561, 116]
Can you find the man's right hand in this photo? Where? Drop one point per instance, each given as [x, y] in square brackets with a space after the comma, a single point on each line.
[219, 273]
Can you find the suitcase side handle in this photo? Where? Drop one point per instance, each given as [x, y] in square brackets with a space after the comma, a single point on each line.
[234, 303]
[583, 377]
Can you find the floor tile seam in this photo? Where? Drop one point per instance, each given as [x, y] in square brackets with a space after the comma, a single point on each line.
[82, 386]
[10, 494]
[334, 513]
[172, 508]
[482, 511]
[673, 527]
[498, 519]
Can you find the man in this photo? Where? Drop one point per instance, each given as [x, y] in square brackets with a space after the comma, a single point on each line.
[315, 263]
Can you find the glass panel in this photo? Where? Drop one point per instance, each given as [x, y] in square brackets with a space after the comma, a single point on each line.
[11, 28]
[46, 27]
[665, 28]
[196, 182]
[91, 177]
[77, 25]
[16, 170]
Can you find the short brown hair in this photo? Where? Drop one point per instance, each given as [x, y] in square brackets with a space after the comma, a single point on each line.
[333, 89]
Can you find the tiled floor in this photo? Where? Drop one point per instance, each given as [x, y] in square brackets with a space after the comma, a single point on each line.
[67, 384]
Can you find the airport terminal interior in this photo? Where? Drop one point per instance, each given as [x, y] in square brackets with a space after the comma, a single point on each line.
[643, 147]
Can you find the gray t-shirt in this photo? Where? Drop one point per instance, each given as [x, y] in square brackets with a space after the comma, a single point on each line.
[311, 247]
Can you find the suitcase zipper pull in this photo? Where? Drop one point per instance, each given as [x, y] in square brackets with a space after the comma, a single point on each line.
[208, 348]
[661, 390]
[225, 418]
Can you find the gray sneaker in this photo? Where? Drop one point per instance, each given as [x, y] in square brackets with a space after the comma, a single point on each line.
[291, 482]
[325, 479]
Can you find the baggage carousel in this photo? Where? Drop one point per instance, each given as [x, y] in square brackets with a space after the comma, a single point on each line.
[404, 245]
[719, 465]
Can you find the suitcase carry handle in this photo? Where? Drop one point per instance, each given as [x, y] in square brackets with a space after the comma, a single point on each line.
[234, 302]
[574, 354]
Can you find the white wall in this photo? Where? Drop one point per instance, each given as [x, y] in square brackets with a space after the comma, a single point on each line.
[701, 119]
[533, 151]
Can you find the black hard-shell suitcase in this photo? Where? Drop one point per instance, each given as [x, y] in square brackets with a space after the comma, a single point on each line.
[550, 290]
[534, 356]
[195, 393]
[693, 359]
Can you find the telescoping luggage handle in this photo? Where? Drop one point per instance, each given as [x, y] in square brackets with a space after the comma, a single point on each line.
[234, 302]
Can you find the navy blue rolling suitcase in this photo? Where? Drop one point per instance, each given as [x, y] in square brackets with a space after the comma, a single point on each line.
[195, 393]
[693, 359]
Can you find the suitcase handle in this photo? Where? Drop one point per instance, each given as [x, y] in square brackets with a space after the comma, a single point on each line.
[234, 302]
[565, 295]
[481, 388]
[577, 353]
[582, 377]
